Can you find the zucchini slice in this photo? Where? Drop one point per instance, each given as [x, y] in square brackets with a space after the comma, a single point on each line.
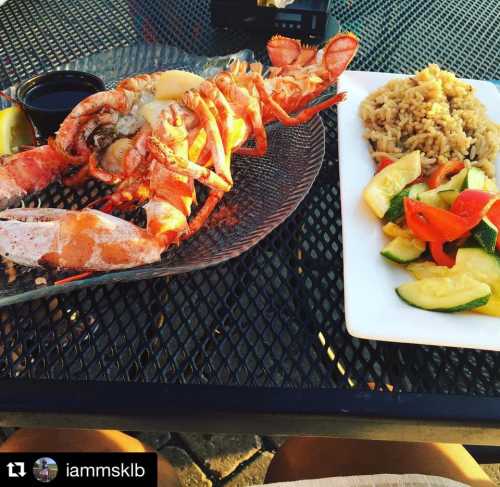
[404, 250]
[416, 189]
[449, 196]
[390, 181]
[396, 209]
[475, 179]
[393, 230]
[432, 197]
[423, 270]
[486, 234]
[490, 185]
[445, 294]
[479, 264]
[483, 267]
[491, 308]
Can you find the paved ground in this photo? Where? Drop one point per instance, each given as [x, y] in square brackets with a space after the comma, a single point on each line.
[207, 460]
[213, 460]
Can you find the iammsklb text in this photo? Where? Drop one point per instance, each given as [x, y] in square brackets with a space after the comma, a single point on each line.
[122, 470]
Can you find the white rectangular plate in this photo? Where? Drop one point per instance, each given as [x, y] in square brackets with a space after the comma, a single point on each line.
[372, 308]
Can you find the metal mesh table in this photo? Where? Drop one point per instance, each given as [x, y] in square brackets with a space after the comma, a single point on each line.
[258, 342]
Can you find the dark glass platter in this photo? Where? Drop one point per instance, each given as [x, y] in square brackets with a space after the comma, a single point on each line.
[266, 190]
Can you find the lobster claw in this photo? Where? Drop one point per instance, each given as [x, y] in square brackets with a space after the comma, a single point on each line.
[86, 240]
[338, 52]
[283, 51]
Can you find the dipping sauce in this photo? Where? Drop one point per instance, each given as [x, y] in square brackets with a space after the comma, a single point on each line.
[58, 95]
[49, 98]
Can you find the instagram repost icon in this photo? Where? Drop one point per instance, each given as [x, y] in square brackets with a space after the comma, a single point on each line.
[45, 469]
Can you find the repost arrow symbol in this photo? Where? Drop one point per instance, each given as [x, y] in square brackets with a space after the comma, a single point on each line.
[22, 472]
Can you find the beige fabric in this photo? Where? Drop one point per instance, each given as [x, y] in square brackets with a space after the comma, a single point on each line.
[382, 480]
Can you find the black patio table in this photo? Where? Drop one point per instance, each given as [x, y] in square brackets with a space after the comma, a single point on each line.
[258, 343]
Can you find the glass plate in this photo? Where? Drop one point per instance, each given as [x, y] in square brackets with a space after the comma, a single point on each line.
[266, 190]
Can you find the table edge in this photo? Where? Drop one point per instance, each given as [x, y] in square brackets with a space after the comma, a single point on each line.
[337, 412]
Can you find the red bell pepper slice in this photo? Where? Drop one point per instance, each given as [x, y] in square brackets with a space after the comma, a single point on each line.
[494, 217]
[418, 224]
[437, 177]
[384, 162]
[433, 224]
[470, 204]
[440, 256]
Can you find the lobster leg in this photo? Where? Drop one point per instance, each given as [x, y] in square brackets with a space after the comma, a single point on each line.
[197, 139]
[166, 156]
[226, 119]
[232, 135]
[303, 116]
[226, 114]
[196, 103]
[201, 217]
[249, 107]
[204, 158]
[127, 195]
[172, 193]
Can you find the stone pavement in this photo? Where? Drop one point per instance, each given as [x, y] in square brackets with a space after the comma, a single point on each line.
[213, 460]
[209, 460]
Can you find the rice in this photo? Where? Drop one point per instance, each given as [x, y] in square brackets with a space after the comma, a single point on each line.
[435, 113]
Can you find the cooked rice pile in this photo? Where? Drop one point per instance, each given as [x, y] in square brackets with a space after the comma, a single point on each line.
[434, 112]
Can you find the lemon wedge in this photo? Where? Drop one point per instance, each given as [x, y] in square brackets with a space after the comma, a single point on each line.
[173, 84]
[15, 130]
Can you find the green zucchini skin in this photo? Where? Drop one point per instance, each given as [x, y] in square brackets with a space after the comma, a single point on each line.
[459, 292]
[396, 208]
[449, 195]
[403, 250]
[486, 235]
[390, 181]
[431, 197]
[475, 179]
[464, 307]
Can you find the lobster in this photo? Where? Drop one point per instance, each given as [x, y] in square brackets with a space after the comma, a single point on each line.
[151, 152]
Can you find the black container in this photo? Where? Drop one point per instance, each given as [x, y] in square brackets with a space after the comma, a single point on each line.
[49, 97]
[305, 19]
